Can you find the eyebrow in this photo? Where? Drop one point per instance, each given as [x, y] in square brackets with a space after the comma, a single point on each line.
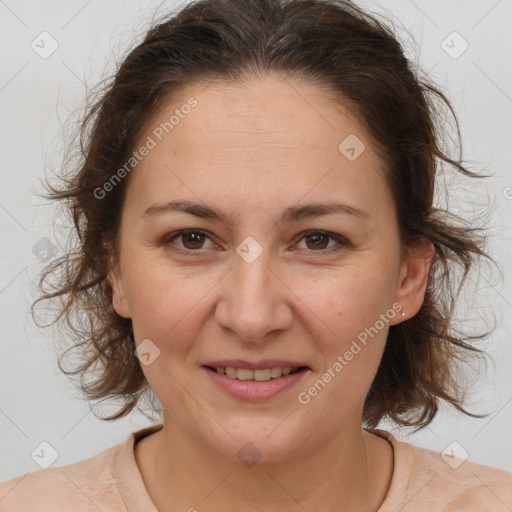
[291, 214]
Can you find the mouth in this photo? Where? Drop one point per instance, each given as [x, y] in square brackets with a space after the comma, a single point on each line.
[255, 381]
[259, 375]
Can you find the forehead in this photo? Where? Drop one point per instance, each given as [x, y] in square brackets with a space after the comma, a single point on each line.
[260, 137]
[273, 110]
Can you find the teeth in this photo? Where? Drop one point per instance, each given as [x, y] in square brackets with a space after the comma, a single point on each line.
[276, 372]
[258, 375]
[231, 372]
[262, 375]
[243, 374]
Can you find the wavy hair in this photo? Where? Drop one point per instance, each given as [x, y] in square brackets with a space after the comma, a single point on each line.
[345, 51]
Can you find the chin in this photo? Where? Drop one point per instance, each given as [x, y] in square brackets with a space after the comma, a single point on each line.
[261, 440]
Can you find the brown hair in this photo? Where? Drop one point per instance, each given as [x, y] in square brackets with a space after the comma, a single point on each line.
[351, 54]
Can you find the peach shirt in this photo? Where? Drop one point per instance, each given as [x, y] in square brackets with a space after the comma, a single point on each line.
[111, 482]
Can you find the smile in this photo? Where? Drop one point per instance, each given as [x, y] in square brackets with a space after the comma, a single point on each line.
[257, 375]
[255, 384]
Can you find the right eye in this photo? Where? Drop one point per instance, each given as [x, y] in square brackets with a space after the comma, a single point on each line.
[192, 240]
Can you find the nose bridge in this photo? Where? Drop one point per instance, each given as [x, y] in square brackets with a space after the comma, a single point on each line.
[253, 301]
[253, 279]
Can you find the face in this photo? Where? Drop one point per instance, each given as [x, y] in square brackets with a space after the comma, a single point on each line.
[261, 279]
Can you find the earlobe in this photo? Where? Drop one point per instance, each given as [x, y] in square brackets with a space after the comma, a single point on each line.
[119, 300]
[411, 293]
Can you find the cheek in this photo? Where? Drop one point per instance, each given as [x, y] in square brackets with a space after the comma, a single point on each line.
[354, 307]
[164, 301]
[167, 310]
[352, 298]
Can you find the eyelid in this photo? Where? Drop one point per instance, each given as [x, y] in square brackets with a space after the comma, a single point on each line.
[167, 239]
[335, 236]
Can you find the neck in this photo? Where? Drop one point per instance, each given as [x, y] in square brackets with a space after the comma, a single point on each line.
[181, 472]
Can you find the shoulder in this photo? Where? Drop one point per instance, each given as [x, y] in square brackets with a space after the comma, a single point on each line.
[463, 484]
[84, 486]
[424, 479]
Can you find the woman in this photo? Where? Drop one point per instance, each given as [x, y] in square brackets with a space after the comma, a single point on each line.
[259, 252]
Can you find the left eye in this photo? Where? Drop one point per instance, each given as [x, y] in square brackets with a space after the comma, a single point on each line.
[320, 239]
[193, 240]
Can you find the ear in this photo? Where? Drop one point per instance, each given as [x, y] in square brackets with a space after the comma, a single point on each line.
[414, 275]
[119, 300]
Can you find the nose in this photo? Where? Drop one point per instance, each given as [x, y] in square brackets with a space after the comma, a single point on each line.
[255, 300]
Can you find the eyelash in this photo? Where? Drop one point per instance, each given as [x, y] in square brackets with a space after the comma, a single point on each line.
[166, 241]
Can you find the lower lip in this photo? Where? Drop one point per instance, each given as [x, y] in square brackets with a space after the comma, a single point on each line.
[253, 389]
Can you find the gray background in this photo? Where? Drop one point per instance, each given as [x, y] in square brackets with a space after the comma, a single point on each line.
[38, 403]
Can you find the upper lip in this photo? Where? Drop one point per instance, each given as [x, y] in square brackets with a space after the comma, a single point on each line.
[260, 365]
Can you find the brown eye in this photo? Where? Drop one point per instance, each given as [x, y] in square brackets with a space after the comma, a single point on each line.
[318, 241]
[193, 240]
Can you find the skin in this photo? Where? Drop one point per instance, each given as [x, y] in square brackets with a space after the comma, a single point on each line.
[251, 151]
